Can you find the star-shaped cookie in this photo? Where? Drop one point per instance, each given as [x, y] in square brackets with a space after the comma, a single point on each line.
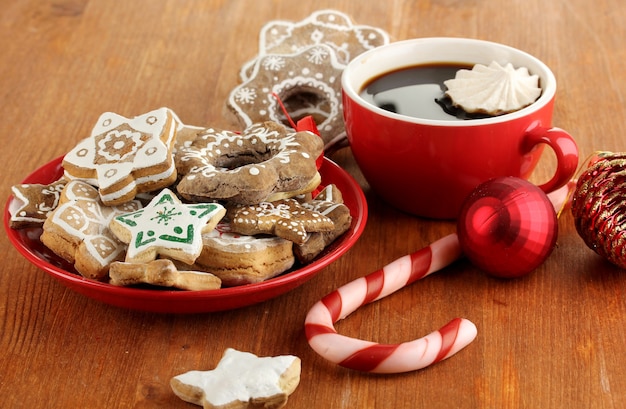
[78, 230]
[32, 203]
[125, 156]
[168, 227]
[328, 202]
[285, 218]
[241, 380]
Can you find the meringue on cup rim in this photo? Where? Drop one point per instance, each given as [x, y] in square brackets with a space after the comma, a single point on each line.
[427, 167]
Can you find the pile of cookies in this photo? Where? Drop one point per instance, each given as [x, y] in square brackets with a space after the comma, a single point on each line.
[151, 200]
[300, 63]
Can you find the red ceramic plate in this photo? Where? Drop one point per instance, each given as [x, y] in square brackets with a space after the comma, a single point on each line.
[27, 242]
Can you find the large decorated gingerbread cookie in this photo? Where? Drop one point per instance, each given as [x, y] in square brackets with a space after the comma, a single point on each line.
[300, 64]
[123, 157]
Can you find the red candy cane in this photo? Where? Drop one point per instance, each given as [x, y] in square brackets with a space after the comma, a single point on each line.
[408, 356]
[387, 358]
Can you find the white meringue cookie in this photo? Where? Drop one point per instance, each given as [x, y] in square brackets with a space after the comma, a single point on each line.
[493, 89]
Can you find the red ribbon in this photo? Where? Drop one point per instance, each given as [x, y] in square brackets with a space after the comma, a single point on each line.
[305, 124]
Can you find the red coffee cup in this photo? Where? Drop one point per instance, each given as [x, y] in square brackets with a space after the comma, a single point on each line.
[428, 167]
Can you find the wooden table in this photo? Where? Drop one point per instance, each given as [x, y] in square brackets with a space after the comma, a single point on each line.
[552, 339]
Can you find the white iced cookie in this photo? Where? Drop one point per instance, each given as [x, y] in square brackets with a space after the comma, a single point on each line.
[124, 157]
[241, 380]
[77, 230]
[167, 227]
[493, 89]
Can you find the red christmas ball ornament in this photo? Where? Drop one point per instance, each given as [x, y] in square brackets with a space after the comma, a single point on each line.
[507, 227]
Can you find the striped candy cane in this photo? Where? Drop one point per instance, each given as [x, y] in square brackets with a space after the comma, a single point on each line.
[408, 356]
[387, 358]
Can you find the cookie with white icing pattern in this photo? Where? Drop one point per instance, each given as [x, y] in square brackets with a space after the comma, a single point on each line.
[302, 62]
[329, 27]
[308, 83]
[264, 160]
[124, 157]
[166, 227]
[78, 230]
[328, 202]
[285, 218]
[32, 203]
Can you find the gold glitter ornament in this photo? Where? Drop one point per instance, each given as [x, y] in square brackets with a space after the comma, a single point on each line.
[599, 206]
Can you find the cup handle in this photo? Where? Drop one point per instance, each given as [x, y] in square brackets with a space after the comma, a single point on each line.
[565, 149]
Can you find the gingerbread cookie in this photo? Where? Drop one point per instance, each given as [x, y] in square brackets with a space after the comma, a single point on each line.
[32, 203]
[285, 218]
[241, 380]
[162, 273]
[185, 134]
[239, 259]
[308, 83]
[77, 230]
[329, 202]
[302, 63]
[166, 227]
[329, 27]
[265, 160]
[124, 156]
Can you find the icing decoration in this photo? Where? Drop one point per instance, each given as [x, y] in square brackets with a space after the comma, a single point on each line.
[302, 62]
[308, 82]
[241, 380]
[126, 156]
[331, 28]
[163, 273]
[285, 218]
[167, 227]
[373, 357]
[223, 235]
[248, 168]
[83, 218]
[32, 203]
[599, 206]
[328, 202]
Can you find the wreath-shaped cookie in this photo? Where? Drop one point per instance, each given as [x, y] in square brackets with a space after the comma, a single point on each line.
[308, 83]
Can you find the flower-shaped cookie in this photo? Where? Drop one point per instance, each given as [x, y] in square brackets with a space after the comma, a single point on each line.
[301, 62]
[285, 218]
[241, 380]
[308, 83]
[124, 156]
[167, 227]
[329, 27]
[77, 230]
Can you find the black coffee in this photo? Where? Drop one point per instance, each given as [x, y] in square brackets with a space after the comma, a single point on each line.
[417, 91]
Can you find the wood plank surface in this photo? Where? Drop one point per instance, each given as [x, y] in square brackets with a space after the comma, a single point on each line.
[553, 339]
